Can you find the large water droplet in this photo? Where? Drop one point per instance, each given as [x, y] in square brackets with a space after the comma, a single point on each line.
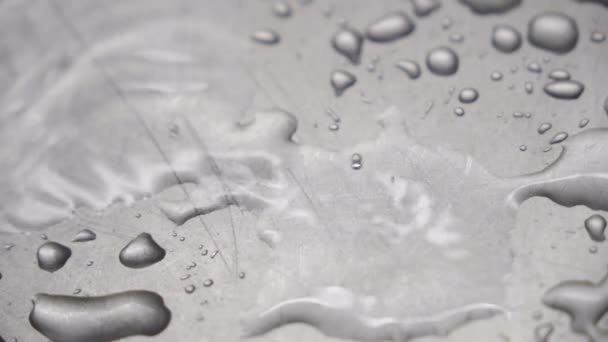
[468, 95]
[559, 75]
[105, 318]
[565, 90]
[84, 236]
[553, 31]
[341, 80]
[348, 43]
[595, 225]
[52, 256]
[544, 127]
[265, 36]
[409, 67]
[141, 252]
[506, 38]
[558, 138]
[422, 8]
[490, 6]
[442, 61]
[390, 27]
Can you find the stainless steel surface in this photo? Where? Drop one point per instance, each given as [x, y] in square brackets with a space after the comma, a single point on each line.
[386, 193]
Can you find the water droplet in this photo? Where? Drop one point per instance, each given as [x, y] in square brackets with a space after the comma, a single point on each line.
[528, 87]
[334, 127]
[459, 111]
[593, 249]
[537, 315]
[184, 277]
[204, 252]
[44, 237]
[105, 318]
[52, 256]
[496, 76]
[348, 43]
[85, 235]
[595, 225]
[446, 23]
[523, 148]
[583, 123]
[341, 80]
[489, 7]
[442, 61]
[456, 38]
[544, 127]
[543, 331]
[138, 215]
[598, 37]
[356, 161]
[182, 238]
[552, 31]
[189, 289]
[506, 38]
[389, 27]
[535, 67]
[518, 114]
[265, 36]
[528, 115]
[208, 283]
[141, 252]
[468, 95]
[565, 90]
[191, 266]
[281, 9]
[89, 263]
[410, 68]
[8, 246]
[422, 8]
[606, 105]
[559, 75]
[242, 275]
[558, 138]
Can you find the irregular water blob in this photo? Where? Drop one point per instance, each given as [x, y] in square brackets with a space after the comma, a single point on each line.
[544, 127]
[341, 80]
[84, 236]
[535, 68]
[422, 8]
[564, 90]
[586, 303]
[496, 76]
[390, 27]
[337, 312]
[409, 67]
[104, 318]
[491, 6]
[506, 38]
[459, 111]
[52, 256]
[583, 123]
[558, 138]
[598, 37]
[356, 161]
[348, 43]
[442, 61]
[553, 31]
[281, 9]
[528, 87]
[266, 36]
[595, 225]
[468, 95]
[559, 75]
[141, 252]
[543, 332]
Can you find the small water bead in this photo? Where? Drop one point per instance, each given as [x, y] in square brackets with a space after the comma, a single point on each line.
[77, 291]
[537, 315]
[535, 68]
[182, 238]
[553, 31]
[598, 37]
[564, 90]
[442, 61]
[583, 123]
[348, 43]
[496, 76]
[191, 266]
[459, 111]
[410, 68]
[523, 148]
[558, 138]
[446, 23]
[543, 332]
[544, 127]
[595, 225]
[518, 114]
[356, 161]
[559, 75]
[138, 215]
[528, 115]
[593, 249]
[390, 27]
[242, 275]
[334, 127]
[281, 9]
[208, 282]
[190, 289]
[506, 38]
[185, 277]
[89, 263]
[468, 95]
[422, 8]
[8, 246]
[265, 36]
[341, 80]
[456, 38]
[214, 254]
[204, 252]
[606, 105]
[528, 87]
